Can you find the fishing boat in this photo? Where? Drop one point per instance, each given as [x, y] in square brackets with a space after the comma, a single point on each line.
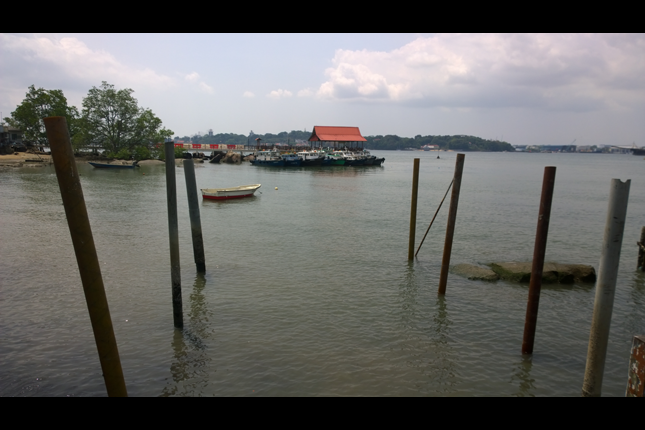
[268, 158]
[114, 166]
[230, 193]
[311, 158]
[291, 160]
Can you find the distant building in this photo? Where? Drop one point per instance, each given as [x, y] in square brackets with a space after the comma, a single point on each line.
[10, 135]
[337, 137]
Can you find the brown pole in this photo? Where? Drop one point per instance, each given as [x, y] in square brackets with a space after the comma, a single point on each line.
[193, 212]
[640, 265]
[86, 257]
[538, 260]
[413, 211]
[452, 219]
[173, 233]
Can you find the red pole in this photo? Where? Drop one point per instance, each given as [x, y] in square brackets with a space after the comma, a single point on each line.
[452, 220]
[538, 260]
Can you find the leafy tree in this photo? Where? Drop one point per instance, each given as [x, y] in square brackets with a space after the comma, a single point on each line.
[114, 120]
[38, 104]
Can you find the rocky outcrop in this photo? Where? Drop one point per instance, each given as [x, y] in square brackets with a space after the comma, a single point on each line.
[552, 272]
[232, 157]
[473, 272]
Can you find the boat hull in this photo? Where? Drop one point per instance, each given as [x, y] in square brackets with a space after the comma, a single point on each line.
[113, 166]
[230, 193]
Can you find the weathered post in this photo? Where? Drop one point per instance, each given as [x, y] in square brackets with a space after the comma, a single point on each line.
[641, 252]
[452, 219]
[173, 231]
[605, 288]
[636, 374]
[195, 220]
[539, 251]
[86, 257]
[413, 210]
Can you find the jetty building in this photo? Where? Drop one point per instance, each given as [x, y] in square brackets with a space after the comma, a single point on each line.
[337, 137]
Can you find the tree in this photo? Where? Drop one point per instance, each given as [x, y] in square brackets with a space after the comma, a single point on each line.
[113, 120]
[38, 104]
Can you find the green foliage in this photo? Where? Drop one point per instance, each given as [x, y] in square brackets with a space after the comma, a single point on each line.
[38, 104]
[456, 143]
[179, 153]
[112, 119]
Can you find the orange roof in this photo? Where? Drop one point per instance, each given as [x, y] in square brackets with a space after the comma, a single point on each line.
[336, 134]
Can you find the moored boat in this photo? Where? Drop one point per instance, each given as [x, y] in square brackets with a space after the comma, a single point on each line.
[230, 193]
[268, 158]
[114, 166]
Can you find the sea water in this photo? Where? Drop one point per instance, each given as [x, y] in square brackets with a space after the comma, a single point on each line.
[308, 290]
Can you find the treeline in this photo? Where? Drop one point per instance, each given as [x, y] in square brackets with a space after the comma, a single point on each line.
[456, 143]
[387, 142]
[240, 139]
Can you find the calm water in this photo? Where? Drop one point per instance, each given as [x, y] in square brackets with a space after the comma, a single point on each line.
[308, 290]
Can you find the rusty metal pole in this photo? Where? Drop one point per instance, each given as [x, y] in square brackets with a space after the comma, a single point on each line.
[605, 288]
[86, 257]
[641, 252]
[193, 211]
[636, 373]
[413, 210]
[538, 260]
[452, 219]
[173, 232]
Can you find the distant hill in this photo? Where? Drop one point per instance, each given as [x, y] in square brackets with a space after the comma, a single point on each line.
[457, 143]
[387, 142]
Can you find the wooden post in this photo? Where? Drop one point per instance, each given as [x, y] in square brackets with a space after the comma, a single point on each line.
[452, 219]
[86, 257]
[538, 260]
[605, 288]
[636, 373]
[195, 220]
[413, 210]
[173, 232]
[640, 265]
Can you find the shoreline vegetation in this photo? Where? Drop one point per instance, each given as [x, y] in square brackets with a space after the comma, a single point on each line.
[377, 142]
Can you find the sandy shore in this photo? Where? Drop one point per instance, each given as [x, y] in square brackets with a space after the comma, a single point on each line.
[26, 159]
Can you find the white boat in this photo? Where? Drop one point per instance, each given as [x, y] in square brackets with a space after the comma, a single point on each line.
[230, 193]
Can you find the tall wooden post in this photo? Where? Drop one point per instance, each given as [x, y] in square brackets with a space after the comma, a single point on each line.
[195, 220]
[173, 233]
[605, 288]
[413, 209]
[539, 252]
[86, 257]
[452, 220]
[640, 265]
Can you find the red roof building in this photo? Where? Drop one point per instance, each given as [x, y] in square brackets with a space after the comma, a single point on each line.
[341, 136]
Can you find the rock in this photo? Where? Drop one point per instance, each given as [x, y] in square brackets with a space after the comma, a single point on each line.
[232, 157]
[552, 272]
[474, 272]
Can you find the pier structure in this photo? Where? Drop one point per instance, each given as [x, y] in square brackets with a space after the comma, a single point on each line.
[337, 138]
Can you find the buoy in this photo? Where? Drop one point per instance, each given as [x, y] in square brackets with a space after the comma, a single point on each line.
[276, 188]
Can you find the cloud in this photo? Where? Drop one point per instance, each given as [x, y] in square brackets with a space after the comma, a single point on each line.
[562, 72]
[248, 94]
[70, 60]
[307, 92]
[192, 77]
[278, 94]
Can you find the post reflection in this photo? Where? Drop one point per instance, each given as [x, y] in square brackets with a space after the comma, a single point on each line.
[443, 367]
[427, 335]
[189, 369]
[522, 377]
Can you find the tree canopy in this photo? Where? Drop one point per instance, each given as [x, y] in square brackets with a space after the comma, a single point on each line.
[38, 104]
[112, 119]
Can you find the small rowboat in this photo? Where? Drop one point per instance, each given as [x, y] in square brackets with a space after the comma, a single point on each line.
[230, 193]
[114, 166]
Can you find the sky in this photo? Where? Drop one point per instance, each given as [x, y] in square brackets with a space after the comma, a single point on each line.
[525, 89]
